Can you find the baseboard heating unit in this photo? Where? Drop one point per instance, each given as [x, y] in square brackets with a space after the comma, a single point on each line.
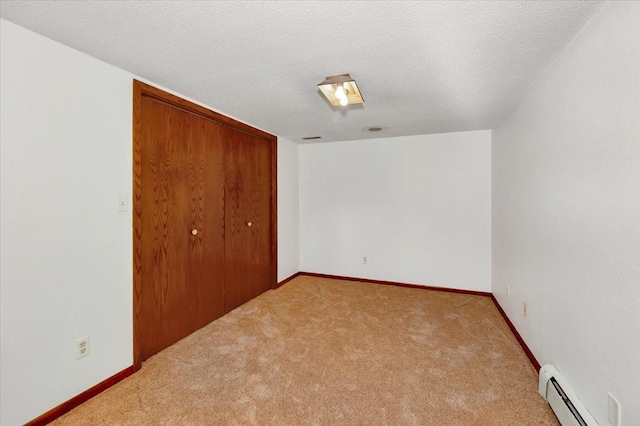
[564, 403]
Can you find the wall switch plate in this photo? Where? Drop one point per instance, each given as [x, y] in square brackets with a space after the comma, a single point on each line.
[123, 205]
[508, 291]
[614, 411]
[525, 309]
[82, 347]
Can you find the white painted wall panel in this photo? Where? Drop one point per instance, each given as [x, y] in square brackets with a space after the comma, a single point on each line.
[65, 250]
[418, 207]
[288, 211]
[566, 213]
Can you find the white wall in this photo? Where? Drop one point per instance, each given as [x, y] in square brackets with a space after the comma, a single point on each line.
[566, 212]
[288, 211]
[65, 252]
[418, 207]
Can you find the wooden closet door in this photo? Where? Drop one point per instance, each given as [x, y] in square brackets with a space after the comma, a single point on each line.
[182, 226]
[248, 256]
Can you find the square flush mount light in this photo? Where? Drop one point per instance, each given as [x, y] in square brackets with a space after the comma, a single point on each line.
[341, 90]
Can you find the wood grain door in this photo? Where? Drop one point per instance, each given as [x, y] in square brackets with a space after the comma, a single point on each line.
[248, 222]
[181, 225]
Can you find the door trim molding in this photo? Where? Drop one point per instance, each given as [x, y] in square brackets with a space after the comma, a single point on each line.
[140, 90]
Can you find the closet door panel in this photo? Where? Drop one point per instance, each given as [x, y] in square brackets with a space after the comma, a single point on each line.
[182, 226]
[247, 217]
[207, 216]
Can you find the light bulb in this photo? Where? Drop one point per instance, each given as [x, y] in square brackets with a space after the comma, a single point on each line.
[340, 93]
[344, 101]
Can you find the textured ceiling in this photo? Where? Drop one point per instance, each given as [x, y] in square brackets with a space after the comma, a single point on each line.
[422, 67]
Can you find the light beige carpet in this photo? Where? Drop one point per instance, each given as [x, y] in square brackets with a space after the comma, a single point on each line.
[325, 352]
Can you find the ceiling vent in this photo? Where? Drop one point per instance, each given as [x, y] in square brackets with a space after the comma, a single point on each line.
[375, 129]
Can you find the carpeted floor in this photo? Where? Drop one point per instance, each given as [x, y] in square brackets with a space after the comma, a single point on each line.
[320, 351]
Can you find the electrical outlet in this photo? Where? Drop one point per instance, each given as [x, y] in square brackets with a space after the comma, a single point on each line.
[508, 291]
[364, 260]
[525, 311]
[82, 347]
[614, 411]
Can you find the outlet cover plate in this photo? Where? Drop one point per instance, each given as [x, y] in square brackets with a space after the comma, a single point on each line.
[82, 347]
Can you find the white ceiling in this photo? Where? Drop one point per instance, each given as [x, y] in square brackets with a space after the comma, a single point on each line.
[422, 67]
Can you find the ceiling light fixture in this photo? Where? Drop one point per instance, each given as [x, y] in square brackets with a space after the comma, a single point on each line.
[341, 90]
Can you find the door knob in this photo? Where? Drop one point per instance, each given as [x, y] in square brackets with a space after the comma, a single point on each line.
[194, 232]
[249, 223]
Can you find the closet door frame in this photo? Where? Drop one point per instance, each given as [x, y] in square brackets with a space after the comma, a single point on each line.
[141, 89]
